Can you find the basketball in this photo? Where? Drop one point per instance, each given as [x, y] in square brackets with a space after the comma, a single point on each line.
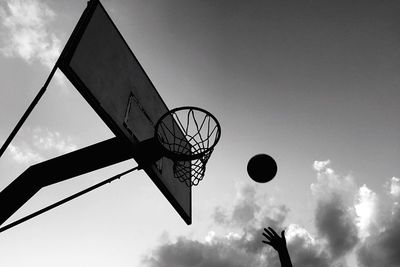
[262, 168]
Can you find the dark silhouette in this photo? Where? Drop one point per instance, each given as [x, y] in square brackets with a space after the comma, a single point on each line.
[262, 168]
[279, 244]
[59, 169]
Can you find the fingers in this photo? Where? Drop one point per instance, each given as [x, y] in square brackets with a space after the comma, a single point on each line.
[273, 232]
[268, 234]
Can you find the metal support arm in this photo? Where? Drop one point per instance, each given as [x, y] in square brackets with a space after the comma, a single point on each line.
[61, 168]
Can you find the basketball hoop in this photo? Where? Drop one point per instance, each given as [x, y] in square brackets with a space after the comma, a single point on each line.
[188, 135]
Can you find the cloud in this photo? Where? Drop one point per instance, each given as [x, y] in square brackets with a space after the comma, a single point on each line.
[306, 250]
[321, 165]
[348, 219]
[24, 155]
[40, 144]
[357, 218]
[395, 187]
[27, 35]
[246, 208]
[336, 225]
[46, 140]
[242, 245]
[185, 253]
[329, 183]
[219, 216]
[381, 247]
[334, 214]
[365, 208]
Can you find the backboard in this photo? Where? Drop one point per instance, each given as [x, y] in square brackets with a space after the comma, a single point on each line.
[102, 67]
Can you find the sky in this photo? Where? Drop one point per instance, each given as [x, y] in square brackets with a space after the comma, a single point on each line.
[312, 83]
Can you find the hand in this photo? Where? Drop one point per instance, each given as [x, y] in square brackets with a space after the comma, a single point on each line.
[274, 240]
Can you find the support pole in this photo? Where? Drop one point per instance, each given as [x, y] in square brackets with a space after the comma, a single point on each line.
[28, 111]
[58, 169]
[87, 190]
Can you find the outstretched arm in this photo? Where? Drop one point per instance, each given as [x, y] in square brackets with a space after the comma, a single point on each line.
[279, 244]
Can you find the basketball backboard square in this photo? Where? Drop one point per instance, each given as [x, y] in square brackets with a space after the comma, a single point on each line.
[99, 63]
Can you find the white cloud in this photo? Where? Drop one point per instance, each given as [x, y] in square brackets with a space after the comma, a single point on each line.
[349, 220]
[185, 252]
[27, 35]
[24, 155]
[365, 209]
[357, 218]
[334, 212]
[395, 187]
[381, 247]
[242, 244]
[40, 144]
[305, 249]
[329, 184]
[210, 236]
[46, 140]
[246, 208]
[295, 230]
[321, 165]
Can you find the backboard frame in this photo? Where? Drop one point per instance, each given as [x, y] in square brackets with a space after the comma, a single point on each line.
[64, 63]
